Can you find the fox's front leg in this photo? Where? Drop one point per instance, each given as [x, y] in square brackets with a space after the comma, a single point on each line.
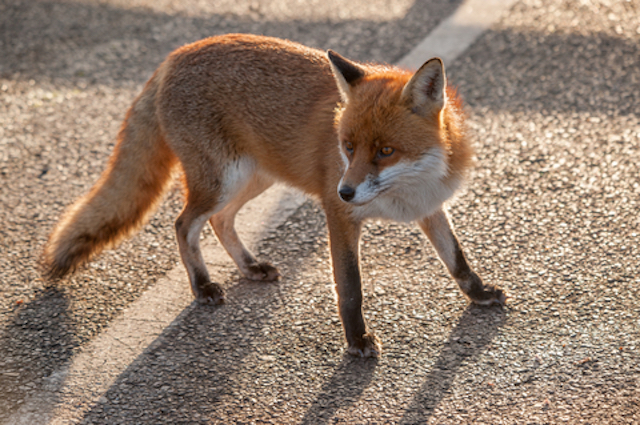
[441, 234]
[344, 237]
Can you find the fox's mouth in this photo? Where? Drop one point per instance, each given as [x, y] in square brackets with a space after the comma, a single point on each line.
[359, 203]
[351, 198]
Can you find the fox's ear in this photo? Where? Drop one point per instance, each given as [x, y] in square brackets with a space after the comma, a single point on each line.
[346, 73]
[426, 92]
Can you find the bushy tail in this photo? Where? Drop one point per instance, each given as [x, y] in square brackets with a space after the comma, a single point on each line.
[139, 170]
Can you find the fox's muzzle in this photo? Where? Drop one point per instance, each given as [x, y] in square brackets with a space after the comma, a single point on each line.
[347, 193]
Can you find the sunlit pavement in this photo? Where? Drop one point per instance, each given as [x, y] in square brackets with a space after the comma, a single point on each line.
[549, 213]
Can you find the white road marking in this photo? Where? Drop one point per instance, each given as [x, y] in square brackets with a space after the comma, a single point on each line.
[456, 33]
[71, 392]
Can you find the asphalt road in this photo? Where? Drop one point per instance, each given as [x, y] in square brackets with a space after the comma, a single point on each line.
[550, 213]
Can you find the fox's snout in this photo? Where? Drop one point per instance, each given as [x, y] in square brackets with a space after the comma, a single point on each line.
[347, 193]
[361, 193]
[359, 183]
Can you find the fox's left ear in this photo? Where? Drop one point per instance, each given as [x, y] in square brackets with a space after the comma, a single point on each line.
[426, 92]
[345, 72]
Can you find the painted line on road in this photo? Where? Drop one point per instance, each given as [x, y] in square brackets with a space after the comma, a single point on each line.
[69, 393]
[456, 33]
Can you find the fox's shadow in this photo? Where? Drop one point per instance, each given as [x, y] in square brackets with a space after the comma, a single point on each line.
[346, 385]
[464, 345]
[39, 341]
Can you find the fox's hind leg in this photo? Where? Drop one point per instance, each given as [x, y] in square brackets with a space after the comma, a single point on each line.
[440, 233]
[188, 228]
[223, 225]
[210, 190]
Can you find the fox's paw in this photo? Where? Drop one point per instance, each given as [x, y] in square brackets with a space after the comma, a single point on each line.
[485, 294]
[481, 293]
[262, 271]
[367, 346]
[490, 295]
[210, 293]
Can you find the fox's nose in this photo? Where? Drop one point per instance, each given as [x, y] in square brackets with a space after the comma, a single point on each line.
[347, 193]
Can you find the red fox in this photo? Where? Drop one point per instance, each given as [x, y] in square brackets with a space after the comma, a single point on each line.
[240, 112]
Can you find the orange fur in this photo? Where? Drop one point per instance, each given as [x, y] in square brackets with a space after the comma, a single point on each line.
[239, 112]
[120, 202]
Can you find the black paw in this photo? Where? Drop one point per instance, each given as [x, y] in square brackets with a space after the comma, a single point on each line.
[367, 346]
[263, 271]
[210, 293]
[485, 294]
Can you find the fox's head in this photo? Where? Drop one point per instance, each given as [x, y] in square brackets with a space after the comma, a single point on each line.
[397, 133]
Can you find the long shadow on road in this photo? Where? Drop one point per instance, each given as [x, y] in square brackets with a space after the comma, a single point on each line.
[466, 343]
[346, 385]
[91, 42]
[102, 44]
[36, 343]
[188, 372]
[193, 372]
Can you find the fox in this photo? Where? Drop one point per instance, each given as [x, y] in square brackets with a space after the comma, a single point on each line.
[238, 113]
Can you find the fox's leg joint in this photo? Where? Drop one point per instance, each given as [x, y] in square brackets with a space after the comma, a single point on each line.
[440, 233]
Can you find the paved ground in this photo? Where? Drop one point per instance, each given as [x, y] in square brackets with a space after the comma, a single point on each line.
[550, 213]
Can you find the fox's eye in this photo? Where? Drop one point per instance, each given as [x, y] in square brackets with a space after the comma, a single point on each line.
[348, 147]
[386, 151]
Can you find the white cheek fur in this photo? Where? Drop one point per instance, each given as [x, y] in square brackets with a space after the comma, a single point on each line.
[345, 160]
[366, 191]
[409, 191]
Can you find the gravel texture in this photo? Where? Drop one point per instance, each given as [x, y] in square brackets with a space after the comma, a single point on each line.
[69, 71]
[550, 213]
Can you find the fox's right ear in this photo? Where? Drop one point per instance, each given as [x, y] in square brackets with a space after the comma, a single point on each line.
[345, 72]
[425, 92]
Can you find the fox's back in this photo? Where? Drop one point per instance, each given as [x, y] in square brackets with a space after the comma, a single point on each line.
[271, 99]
